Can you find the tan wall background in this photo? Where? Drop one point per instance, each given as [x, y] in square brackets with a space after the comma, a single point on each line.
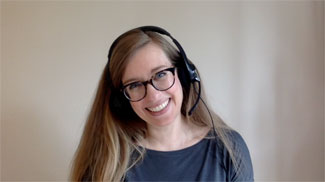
[262, 64]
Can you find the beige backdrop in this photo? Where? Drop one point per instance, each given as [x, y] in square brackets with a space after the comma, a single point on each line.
[262, 64]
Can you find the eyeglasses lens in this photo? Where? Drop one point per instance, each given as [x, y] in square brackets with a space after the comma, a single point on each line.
[161, 81]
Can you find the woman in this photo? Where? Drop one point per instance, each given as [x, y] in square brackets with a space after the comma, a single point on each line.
[149, 120]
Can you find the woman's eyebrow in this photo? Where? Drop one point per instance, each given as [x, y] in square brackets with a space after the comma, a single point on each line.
[130, 81]
[153, 71]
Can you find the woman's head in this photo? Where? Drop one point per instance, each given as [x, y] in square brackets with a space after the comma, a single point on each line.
[137, 56]
[128, 44]
[161, 94]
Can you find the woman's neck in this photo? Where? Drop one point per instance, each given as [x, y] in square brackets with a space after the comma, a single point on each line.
[176, 136]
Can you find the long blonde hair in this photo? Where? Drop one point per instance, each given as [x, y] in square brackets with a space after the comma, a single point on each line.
[109, 139]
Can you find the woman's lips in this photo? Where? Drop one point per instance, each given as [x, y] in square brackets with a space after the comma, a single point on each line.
[160, 107]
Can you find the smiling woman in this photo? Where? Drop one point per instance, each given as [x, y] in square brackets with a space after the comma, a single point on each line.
[149, 120]
[158, 107]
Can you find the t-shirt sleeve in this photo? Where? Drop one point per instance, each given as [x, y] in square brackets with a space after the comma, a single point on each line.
[242, 169]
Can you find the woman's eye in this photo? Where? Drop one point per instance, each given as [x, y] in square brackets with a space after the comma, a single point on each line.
[134, 85]
[160, 75]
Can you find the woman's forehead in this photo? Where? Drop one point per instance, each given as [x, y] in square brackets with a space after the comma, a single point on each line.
[146, 61]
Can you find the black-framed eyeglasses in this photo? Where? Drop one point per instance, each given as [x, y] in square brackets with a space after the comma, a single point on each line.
[162, 81]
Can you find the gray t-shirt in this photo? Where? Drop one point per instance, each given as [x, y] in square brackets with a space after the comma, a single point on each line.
[207, 160]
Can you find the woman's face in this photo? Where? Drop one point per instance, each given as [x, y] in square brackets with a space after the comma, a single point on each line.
[157, 108]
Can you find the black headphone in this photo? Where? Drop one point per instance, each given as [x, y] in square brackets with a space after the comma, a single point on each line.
[190, 71]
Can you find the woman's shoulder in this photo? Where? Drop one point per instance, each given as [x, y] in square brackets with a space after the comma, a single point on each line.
[242, 169]
[235, 138]
[231, 135]
[231, 140]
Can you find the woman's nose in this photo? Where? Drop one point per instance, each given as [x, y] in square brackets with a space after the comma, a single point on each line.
[152, 93]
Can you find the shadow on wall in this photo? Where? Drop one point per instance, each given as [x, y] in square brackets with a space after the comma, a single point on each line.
[281, 82]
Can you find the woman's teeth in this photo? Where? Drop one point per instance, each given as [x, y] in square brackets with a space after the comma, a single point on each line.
[159, 108]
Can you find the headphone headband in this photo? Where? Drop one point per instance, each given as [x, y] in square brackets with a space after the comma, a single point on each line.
[193, 76]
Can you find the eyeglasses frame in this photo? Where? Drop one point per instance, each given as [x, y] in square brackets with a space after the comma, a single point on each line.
[123, 89]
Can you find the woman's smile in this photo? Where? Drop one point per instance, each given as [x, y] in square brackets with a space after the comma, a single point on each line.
[159, 107]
